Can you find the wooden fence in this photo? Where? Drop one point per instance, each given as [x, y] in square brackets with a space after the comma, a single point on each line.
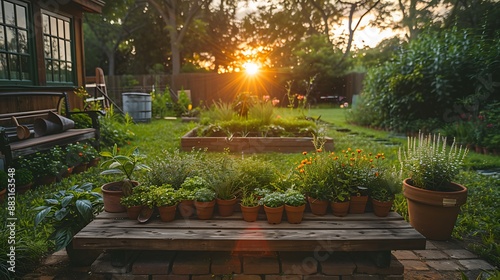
[210, 87]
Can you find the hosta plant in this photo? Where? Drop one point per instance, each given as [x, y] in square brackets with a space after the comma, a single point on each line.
[68, 211]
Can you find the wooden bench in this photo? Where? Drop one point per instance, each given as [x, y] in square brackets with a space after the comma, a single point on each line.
[19, 105]
[353, 233]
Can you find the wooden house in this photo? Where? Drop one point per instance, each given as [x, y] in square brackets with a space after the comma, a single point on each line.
[41, 46]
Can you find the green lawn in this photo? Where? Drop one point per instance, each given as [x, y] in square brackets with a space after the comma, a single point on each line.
[477, 225]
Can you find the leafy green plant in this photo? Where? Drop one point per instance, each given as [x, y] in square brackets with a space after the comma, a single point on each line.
[249, 198]
[69, 211]
[385, 187]
[164, 196]
[204, 195]
[126, 165]
[273, 199]
[23, 176]
[41, 164]
[194, 183]
[428, 162]
[294, 198]
[137, 198]
[4, 179]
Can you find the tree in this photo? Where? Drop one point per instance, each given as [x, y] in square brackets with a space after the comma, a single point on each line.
[178, 15]
[108, 31]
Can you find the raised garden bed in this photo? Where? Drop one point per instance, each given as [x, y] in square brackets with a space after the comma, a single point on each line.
[250, 144]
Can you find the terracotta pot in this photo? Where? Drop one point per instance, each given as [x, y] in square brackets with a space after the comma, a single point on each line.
[294, 214]
[250, 214]
[133, 212]
[226, 207]
[167, 213]
[2, 194]
[274, 214]
[340, 209]
[80, 168]
[204, 210]
[65, 173]
[434, 213]
[381, 208]
[111, 196]
[318, 207]
[46, 180]
[358, 204]
[93, 162]
[186, 208]
[24, 188]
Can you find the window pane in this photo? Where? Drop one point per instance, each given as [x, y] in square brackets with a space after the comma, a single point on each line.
[9, 13]
[14, 67]
[53, 26]
[21, 16]
[55, 48]
[46, 24]
[46, 47]
[69, 71]
[23, 41]
[56, 72]
[68, 51]
[62, 51]
[11, 39]
[25, 68]
[60, 28]
[2, 38]
[67, 33]
[1, 14]
[48, 70]
[3, 66]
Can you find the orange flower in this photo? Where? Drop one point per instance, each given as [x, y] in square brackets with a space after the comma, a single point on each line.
[80, 154]
[319, 150]
[359, 151]
[304, 153]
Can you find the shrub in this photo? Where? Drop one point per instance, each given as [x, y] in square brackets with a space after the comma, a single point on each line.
[429, 75]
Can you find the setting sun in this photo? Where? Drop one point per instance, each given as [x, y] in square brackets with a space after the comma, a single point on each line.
[251, 68]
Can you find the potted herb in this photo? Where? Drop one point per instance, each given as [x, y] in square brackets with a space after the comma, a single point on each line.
[295, 204]
[135, 201]
[204, 202]
[186, 194]
[273, 206]
[249, 206]
[226, 188]
[126, 166]
[24, 180]
[382, 193]
[68, 211]
[312, 173]
[165, 199]
[339, 200]
[429, 167]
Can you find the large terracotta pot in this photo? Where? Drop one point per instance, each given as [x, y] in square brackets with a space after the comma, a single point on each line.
[434, 213]
[167, 213]
[204, 210]
[340, 209]
[226, 207]
[111, 196]
[294, 214]
[318, 207]
[274, 214]
[250, 214]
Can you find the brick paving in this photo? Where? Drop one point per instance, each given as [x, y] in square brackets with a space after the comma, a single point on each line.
[440, 260]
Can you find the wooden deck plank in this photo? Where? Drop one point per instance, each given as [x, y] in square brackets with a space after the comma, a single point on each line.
[249, 240]
[240, 224]
[355, 232]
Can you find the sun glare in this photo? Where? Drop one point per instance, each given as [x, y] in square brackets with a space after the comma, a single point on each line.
[251, 68]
